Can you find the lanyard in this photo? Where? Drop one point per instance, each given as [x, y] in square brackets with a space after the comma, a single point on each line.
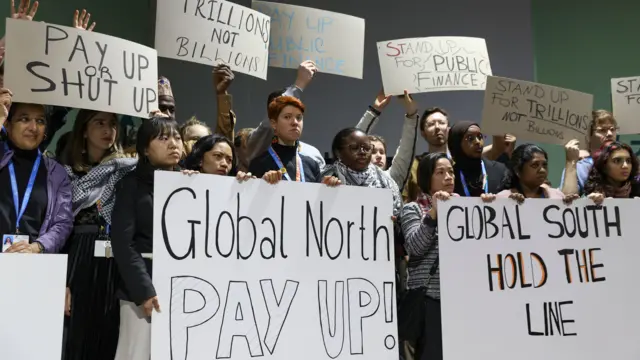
[485, 181]
[299, 169]
[14, 187]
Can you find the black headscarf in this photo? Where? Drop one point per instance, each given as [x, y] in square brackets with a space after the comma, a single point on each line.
[471, 167]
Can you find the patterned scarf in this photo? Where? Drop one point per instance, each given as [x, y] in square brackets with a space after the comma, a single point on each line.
[98, 185]
[622, 192]
[372, 177]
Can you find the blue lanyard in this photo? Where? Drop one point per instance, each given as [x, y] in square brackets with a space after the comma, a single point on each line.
[485, 181]
[14, 187]
[283, 169]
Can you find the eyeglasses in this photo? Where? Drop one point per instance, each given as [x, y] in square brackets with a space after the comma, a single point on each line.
[605, 130]
[471, 138]
[354, 148]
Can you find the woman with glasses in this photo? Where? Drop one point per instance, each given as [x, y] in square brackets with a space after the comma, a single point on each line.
[602, 130]
[474, 176]
[614, 174]
[352, 148]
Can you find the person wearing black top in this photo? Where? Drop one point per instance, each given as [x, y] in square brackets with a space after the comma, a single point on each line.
[159, 147]
[474, 175]
[283, 158]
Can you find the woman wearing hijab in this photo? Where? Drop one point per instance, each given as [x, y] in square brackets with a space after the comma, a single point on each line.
[352, 147]
[614, 174]
[474, 175]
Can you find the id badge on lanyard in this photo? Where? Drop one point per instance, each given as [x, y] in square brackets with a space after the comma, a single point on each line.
[103, 244]
[20, 207]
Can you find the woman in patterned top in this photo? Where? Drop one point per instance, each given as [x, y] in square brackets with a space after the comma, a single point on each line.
[419, 313]
[94, 161]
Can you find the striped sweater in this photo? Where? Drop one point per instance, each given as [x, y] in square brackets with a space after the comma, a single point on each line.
[421, 242]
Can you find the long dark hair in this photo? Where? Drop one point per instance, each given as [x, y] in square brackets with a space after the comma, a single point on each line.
[598, 178]
[73, 155]
[204, 145]
[426, 168]
[519, 158]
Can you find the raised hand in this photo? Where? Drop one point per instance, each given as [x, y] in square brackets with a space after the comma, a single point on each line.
[572, 150]
[222, 78]
[25, 10]
[410, 106]
[381, 101]
[306, 71]
[568, 199]
[81, 20]
[5, 104]
[438, 196]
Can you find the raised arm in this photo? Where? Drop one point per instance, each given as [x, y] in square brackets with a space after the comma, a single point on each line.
[370, 117]
[399, 170]
[569, 182]
[222, 79]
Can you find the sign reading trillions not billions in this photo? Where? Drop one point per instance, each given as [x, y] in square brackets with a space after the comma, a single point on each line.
[335, 42]
[625, 97]
[214, 32]
[433, 64]
[535, 112]
[542, 280]
[291, 271]
[59, 65]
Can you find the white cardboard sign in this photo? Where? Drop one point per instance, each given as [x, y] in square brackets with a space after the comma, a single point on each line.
[292, 271]
[625, 97]
[214, 32]
[32, 303]
[535, 112]
[59, 65]
[541, 280]
[440, 63]
[335, 42]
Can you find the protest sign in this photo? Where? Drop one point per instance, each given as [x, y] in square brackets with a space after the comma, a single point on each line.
[625, 97]
[291, 271]
[64, 66]
[214, 32]
[542, 280]
[32, 303]
[536, 112]
[441, 63]
[335, 42]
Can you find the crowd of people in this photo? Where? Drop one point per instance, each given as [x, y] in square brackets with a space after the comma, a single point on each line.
[93, 197]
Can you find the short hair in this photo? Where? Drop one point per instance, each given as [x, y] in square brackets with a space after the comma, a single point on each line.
[152, 129]
[73, 155]
[338, 140]
[599, 116]
[192, 121]
[426, 168]
[429, 112]
[379, 139]
[274, 95]
[279, 103]
[204, 145]
[241, 137]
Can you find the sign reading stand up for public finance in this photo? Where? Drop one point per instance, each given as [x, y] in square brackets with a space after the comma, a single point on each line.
[536, 112]
[541, 280]
[59, 65]
[335, 42]
[287, 271]
[440, 63]
[214, 32]
[625, 97]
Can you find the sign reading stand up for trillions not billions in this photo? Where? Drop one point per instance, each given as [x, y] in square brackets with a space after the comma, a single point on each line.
[287, 271]
[541, 280]
[59, 65]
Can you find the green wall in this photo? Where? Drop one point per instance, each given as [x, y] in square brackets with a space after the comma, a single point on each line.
[581, 45]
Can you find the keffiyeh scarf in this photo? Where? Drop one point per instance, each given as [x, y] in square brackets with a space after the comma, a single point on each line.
[371, 177]
[99, 185]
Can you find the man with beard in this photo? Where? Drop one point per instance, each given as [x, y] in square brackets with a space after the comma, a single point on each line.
[434, 127]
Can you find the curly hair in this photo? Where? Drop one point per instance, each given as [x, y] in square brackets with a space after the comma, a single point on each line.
[519, 158]
[598, 178]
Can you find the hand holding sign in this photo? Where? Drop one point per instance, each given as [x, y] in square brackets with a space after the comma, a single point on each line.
[222, 78]
[5, 104]
[410, 106]
[306, 71]
[438, 196]
[381, 101]
[150, 305]
[23, 12]
[24, 247]
[81, 21]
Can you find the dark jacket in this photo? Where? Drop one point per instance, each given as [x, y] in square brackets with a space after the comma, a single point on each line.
[132, 233]
[58, 219]
[495, 175]
[265, 163]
